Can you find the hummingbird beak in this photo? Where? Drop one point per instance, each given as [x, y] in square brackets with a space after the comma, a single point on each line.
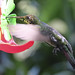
[27, 32]
[16, 17]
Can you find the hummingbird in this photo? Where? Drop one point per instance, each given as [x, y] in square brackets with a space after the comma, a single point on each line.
[36, 30]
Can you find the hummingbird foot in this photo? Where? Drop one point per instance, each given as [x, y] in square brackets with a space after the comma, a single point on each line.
[55, 50]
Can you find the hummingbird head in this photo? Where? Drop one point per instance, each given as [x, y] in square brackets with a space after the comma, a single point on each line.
[31, 19]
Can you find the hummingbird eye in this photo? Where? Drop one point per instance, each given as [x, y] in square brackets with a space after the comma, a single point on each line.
[31, 19]
[27, 17]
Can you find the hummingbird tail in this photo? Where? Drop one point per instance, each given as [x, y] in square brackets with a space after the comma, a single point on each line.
[68, 54]
[70, 58]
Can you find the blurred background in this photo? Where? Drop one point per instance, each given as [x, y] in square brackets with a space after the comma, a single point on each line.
[39, 59]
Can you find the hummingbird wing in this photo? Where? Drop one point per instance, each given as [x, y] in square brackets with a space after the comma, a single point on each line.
[27, 32]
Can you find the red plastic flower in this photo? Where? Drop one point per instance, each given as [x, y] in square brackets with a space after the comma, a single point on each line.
[10, 46]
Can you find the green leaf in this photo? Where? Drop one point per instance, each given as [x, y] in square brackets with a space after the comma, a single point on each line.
[7, 34]
[3, 23]
[11, 21]
[9, 8]
[5, 30]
